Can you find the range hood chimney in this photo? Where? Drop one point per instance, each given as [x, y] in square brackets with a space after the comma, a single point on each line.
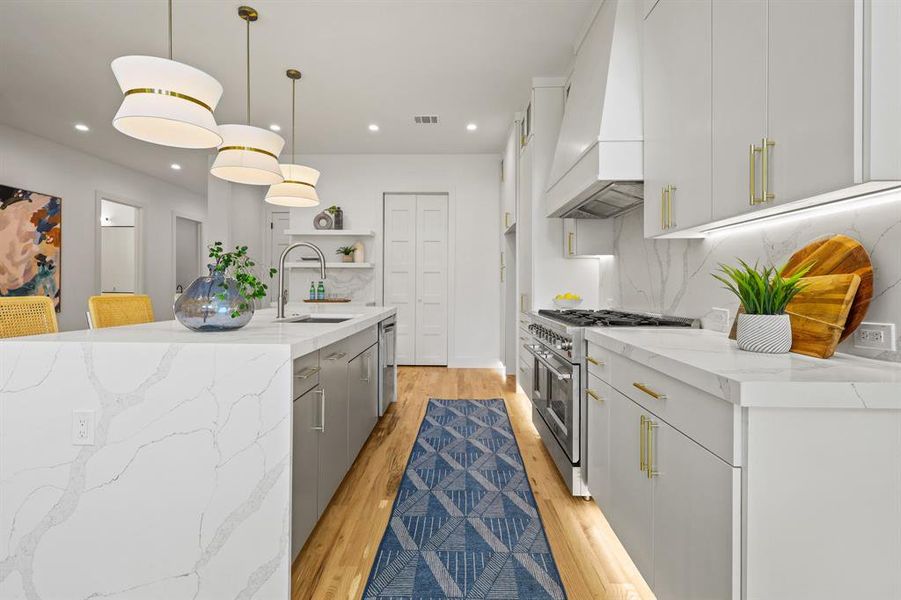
[598, 166]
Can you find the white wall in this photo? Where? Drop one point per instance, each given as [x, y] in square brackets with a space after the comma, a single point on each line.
[34, 163]
[357, 182]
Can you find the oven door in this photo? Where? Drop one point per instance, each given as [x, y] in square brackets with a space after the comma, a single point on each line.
[555, 394]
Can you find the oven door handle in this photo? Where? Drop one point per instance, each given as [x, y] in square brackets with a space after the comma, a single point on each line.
[560, 376]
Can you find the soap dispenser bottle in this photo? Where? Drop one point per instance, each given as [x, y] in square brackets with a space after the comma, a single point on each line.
[312, 290]
[320, 292]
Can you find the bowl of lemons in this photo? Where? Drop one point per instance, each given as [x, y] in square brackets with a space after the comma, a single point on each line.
[567, 300]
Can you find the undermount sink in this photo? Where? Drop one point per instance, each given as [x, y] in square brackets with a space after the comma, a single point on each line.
[315, 319]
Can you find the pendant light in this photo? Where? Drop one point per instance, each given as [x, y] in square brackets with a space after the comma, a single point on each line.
[299, 186]
[166, 102]
[248, 154]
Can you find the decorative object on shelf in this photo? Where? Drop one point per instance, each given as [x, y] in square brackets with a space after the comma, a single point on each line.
[323, 220]
[347, 253]
[359, 252]
[222, 300]
[31, 239]
[338, 215]
[167, 102]
[248, 154]
[299, 187]
[764, 326]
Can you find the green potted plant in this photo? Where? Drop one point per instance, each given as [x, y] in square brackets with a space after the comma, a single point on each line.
[222, 300]
[347, 253]
[764, 293]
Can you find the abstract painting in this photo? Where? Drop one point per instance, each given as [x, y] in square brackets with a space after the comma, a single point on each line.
[30, 238]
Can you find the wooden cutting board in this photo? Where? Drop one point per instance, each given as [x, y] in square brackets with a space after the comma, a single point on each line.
[819, 312]
[838, 255]
[834, 255]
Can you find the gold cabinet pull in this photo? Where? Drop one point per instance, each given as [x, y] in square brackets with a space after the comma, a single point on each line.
[594, 361]
[642, 444]
[307, 373]
[502, 273]
[670, 223]
[765, 146]
[663, 207]
[753, 198]
[649, 453]
[506, 219]
[649, 391]
[593, 394]
[570, 242]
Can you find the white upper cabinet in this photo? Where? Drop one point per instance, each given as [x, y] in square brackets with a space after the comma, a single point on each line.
[509, 177]
[739, 101]
[775, 104]
[810, 97]
[677, 89]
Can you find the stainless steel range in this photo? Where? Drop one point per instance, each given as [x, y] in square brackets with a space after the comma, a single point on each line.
[556, 377]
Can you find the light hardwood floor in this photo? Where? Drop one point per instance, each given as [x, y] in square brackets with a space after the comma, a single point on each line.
[336, 560]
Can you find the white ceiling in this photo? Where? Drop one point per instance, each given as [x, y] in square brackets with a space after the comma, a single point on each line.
[363, 61]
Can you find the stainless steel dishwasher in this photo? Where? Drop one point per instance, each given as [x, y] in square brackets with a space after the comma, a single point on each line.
[387, 366]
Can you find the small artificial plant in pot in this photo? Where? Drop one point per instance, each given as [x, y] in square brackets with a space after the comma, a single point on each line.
[347, 253]
[223, 299]
[337, 214]
[764, 326]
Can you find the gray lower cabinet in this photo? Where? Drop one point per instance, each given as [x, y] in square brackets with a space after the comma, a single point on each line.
[363, 401]
[305, 467]
[335, 409]
[333, 450]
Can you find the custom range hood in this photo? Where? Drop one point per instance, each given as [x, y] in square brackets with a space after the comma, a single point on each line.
[597, 171]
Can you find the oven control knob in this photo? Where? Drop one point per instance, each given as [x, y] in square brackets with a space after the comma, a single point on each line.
[566, 346]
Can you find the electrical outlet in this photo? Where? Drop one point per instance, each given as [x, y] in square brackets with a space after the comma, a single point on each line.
[875, 336]
[716, 320]
[83, 427]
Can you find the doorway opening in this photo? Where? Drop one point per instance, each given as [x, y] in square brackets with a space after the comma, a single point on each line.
[188, 252]
[120, 248]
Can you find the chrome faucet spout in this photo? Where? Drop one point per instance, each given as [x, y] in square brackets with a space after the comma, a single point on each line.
[282, 291]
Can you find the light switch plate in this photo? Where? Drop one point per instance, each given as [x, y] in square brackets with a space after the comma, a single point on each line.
[875, 336]
[83, 427]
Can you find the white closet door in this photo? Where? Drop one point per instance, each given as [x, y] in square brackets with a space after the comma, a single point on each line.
[431, 280]
[400, 271]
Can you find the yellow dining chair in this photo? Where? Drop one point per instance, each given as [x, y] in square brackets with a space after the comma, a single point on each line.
[113, 310]
[27, 315]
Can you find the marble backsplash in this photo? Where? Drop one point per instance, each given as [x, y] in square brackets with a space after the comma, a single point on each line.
[673, 276]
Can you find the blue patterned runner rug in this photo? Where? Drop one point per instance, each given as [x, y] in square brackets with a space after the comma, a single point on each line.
[465, 523]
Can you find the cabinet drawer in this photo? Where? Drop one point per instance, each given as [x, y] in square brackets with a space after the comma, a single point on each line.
[708, 420]
[598, 360]
[306, 373]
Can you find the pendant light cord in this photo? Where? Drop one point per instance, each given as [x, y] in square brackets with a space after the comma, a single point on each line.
[248, 71]
[293, 113]
[170, 29]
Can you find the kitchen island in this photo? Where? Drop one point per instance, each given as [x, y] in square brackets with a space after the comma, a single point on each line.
[151, 461]
[731, 474]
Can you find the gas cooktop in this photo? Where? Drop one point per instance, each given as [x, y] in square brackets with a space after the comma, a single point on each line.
[614, 318]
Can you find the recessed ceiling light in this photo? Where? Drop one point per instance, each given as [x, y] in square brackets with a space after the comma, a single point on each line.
[275, 127]
[472, 127]
[373, 127]
[82, 127]
[175, 167]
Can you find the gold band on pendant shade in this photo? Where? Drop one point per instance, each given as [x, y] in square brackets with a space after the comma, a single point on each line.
[249, 149]
[300, 183]
[169, 93]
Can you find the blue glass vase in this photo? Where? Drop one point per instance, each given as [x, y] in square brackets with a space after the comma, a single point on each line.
[202, 308]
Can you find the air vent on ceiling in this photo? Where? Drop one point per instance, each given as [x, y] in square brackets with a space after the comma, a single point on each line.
[426, 119]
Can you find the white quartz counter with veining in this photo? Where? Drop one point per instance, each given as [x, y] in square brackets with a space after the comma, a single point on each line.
[185, 492]
[262, 329]
[713, 363]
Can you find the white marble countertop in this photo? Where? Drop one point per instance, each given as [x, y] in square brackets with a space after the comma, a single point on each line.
[262, 329]
[713, 363]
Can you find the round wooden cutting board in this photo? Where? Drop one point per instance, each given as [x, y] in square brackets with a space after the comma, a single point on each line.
[839, 255]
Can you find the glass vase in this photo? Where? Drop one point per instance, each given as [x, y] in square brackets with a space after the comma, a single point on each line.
[209, 302]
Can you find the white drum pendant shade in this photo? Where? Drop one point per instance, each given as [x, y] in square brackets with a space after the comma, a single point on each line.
[166, 102]
[297, 190]
[248, 155]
